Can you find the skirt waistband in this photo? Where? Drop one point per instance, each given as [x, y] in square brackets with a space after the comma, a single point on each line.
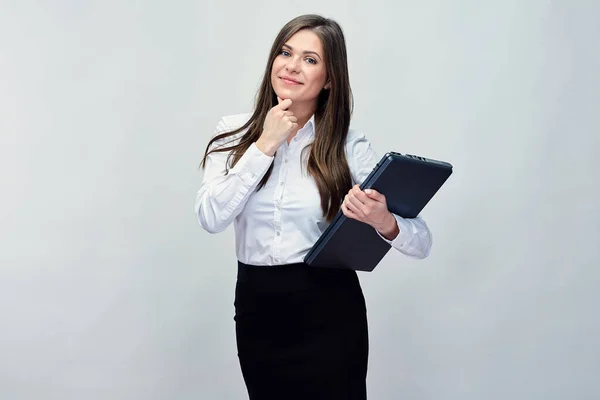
[294, 277]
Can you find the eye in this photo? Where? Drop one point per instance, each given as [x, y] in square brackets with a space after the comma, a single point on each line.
[284, 53]
[311, 60]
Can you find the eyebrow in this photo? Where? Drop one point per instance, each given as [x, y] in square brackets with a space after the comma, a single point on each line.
[305, 52]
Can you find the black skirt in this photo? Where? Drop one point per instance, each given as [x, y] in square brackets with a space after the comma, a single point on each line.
[301, 332]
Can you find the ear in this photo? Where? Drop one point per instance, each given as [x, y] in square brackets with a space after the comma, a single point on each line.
[327, 86]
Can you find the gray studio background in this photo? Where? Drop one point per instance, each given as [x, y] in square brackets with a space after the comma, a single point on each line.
[109, 289]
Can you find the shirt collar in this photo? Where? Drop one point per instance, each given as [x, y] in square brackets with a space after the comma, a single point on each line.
[309, 128]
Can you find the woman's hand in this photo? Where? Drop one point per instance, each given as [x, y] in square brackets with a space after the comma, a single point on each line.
[279, 124]
[371, 208]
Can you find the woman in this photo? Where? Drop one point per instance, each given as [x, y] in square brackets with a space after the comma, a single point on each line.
[280, 175]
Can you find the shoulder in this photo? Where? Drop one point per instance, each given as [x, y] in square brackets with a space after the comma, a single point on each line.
[357, 143]
[229, 123]
[360, 155]
[355, 136]
[232, 122]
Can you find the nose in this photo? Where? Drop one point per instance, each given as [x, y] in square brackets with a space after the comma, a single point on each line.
[293, 64]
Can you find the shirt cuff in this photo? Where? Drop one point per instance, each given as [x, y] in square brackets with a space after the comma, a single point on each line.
[405, 235]
[252, 166]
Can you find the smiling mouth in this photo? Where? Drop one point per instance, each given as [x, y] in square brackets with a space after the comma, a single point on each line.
[290, 81]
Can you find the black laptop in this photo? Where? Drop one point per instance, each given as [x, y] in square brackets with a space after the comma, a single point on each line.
[408, 182]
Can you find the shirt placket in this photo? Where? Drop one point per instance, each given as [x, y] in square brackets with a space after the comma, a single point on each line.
[277, 201]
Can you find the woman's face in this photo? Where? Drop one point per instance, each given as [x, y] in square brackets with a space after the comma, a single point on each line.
[299, 71]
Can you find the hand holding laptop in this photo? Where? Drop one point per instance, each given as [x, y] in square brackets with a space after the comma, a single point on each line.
[370, 207]
[350, 242]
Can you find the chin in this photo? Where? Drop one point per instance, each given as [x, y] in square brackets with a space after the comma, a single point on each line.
[286, 94]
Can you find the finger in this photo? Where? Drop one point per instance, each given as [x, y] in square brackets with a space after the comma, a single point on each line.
[357, 207]
[351, 198]
[375, 195]
[288, 113]
[284, 104]
[354, 205]
[360, 195]
[347, 212]
[293, 119]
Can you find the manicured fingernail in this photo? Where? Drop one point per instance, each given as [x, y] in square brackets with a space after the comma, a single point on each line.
[368, 191]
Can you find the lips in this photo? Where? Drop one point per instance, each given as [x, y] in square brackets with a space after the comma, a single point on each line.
[289, 80]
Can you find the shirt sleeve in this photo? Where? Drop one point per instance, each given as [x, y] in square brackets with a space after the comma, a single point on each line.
[414, 239]
[221, 197]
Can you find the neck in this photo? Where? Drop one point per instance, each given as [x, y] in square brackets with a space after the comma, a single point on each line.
[303, 113]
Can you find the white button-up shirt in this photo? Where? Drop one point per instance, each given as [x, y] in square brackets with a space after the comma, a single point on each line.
[279, 223]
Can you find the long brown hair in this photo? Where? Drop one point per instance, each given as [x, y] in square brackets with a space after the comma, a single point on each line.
[327, 162]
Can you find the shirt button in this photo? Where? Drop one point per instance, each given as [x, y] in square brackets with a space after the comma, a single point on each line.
[277, 260]
[286, 160]
[281, 183]
[278, 233]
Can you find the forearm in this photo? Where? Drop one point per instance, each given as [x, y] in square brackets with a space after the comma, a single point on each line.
[267, 147]
[222, 197]
[413, 237]
[389, 229]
